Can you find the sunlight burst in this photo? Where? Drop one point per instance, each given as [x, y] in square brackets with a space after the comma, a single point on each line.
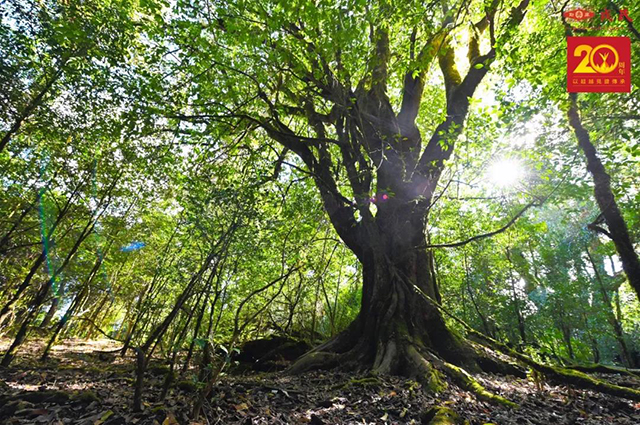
[505, 173]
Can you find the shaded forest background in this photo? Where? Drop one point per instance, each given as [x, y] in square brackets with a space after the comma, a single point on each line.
[129, 212]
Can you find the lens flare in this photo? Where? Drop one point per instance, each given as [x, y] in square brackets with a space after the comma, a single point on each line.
[505, 173]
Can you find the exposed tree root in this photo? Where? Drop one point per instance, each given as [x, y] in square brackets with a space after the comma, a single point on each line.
[556, 374]
[561, 375]
[411, 361]
[404, 352]
[600, 368]
[489, 362]
[581, 379]
[464, 380]
[314, 360]
[440, 416]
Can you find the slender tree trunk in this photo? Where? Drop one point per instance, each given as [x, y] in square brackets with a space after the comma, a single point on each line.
[595, 351]
[55, 302]
[314, 310]
[168, 380]
[612, 319]
[85, 330]
[483, 319]
[334, 311]
[293, 304]
[37, 99]
[140, 309]
[145, 351]
[4, 242]
[321, 279]
[24, 285]
[140, 369]
[566, 334]
[196, 330]
[46, 240]
[185, 329]
[617, 227]
[223, 295]
[43, 254]
[516, 302]
[64, 320]
[77, 302]
[134, 325]
[42, 295]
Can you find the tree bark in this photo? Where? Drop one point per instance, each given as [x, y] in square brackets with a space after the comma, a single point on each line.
[394, 321]
[196, 330]
[53, 308]
[617, 227]
[613, 320]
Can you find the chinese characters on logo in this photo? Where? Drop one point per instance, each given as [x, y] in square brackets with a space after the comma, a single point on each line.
[605, 15]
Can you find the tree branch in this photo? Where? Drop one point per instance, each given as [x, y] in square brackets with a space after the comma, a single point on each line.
[440, 146]
[489, 234]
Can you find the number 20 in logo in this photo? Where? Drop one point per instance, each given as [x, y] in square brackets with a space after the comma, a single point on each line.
[598, 64]
[602, 64]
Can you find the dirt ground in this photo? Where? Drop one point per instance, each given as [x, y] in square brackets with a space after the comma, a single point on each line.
[84, 384]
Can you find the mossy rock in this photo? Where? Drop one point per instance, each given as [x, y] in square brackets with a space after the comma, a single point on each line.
[435, 382]
[440, 416]
[272, 349]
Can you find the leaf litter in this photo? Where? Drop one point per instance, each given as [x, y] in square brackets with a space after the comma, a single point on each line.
[85, 384]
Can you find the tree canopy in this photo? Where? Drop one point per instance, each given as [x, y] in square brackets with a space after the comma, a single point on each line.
[380, 180]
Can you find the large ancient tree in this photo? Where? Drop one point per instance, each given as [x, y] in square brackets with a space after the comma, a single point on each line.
[342, 87]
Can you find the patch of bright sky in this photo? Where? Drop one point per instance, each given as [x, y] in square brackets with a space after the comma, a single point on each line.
[609, 268]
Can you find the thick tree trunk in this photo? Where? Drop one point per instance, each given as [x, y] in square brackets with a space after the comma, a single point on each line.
[398, 327]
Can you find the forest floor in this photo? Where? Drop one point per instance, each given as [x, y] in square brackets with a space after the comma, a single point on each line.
[81, 384]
